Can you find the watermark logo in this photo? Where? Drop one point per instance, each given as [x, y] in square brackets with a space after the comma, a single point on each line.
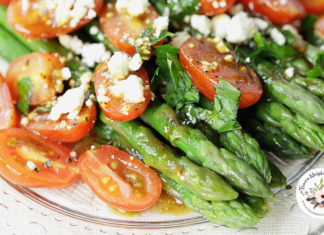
[310, 193]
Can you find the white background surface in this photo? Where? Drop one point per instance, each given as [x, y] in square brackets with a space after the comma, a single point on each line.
[21, 216]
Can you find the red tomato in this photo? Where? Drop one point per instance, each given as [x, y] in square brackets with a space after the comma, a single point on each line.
[116, 108]
[278, 11]
[64, 129]
[215, 7]
[205, 65]
[42, 69]
[8, 113]
[313, 6]
[5, 2]
[21, 149]
[119, 27]
[119, 179]
[319, 27]
[36, 20]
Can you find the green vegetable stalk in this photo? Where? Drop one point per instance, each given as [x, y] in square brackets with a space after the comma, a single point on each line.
[199, 180]
[304, 131]
[314, 85]
[198, 148]
[278, 179]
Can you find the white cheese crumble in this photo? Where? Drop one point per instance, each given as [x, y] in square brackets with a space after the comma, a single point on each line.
[219, 25]
[293, 30]
[25, 5]
[24, 121]
[161, 23]
[118, 65]
[289, 72]
[72, 100]
[277, 36]
[201, 23]
[133, 8]
[66, 73]
[131, 89]
[179, 38]
[31, 165]
[136, 62]
[261, 24]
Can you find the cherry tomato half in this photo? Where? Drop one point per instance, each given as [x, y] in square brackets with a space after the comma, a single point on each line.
[8, 113]
[116, 108]
[120, 27]
[279, 12]
[119, 179]
[41, 69]
[64, 129]
[205, 64]
[313, 6]
[215, 7]
[29, 160]
[5, 2]
[39, 19]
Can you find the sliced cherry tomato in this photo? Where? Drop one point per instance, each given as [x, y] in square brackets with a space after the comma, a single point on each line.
[279, 12]
[64, 129]
[215, 7]
[313, 6]
[205, 64]
[119, 179]
[5, 2]
[29, 160]
[8, 113]
[319, 27]
[40, 19]
[43, 69]
[119, 28]
[116, 108]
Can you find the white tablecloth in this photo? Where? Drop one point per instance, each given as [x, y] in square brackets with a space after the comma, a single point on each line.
[21, 216]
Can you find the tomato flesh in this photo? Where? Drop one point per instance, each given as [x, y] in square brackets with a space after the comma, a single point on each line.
[38, 21]
[64, 129]
[279, 12]
[215, 7]
[313, 6]
[5, 2]
[8, 113]
[119, 28]
[119, 179]
[197, 56]
[116, 108]
[19, 148]
[41, 69]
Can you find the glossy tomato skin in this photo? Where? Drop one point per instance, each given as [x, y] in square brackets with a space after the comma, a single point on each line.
[41, 69]
[33, 22]
[17, 146]
[194, 53]
[215, 7]
[72, 130]
[313, 6]
[119, 27]
[8, 112]
[279, 12]
[113, 109]
[107, 171]
[5, 2]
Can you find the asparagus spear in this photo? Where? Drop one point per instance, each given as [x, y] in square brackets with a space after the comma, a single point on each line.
[276, 140]
[304, 131]
[314, 85]
[260, 206]
[199, 180]
[198, 148]
[234, 214]
[278, 178]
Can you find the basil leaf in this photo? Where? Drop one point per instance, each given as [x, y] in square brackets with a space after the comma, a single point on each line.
[24, 93]
[308, 31]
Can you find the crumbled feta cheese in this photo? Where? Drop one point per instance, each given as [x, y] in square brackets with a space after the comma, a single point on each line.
[277, 36]
[131, 89]
[248, 60]
[72, 43]
[24, 121]
[25, 5]
[292, 29]
[136, 62]
[201, 23]
[179, 38]
[161, 23]
[31, 165]
[4, 66]
[89, 103]
[72, 100]
[73, 154]
[94, 53]
[66, 73]
[289, 72]
[219, 25]
[101, 95]
[223, 3]
[118, 65]
[241, 28]
[134, 8]
[94, 30]
[261, 24]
